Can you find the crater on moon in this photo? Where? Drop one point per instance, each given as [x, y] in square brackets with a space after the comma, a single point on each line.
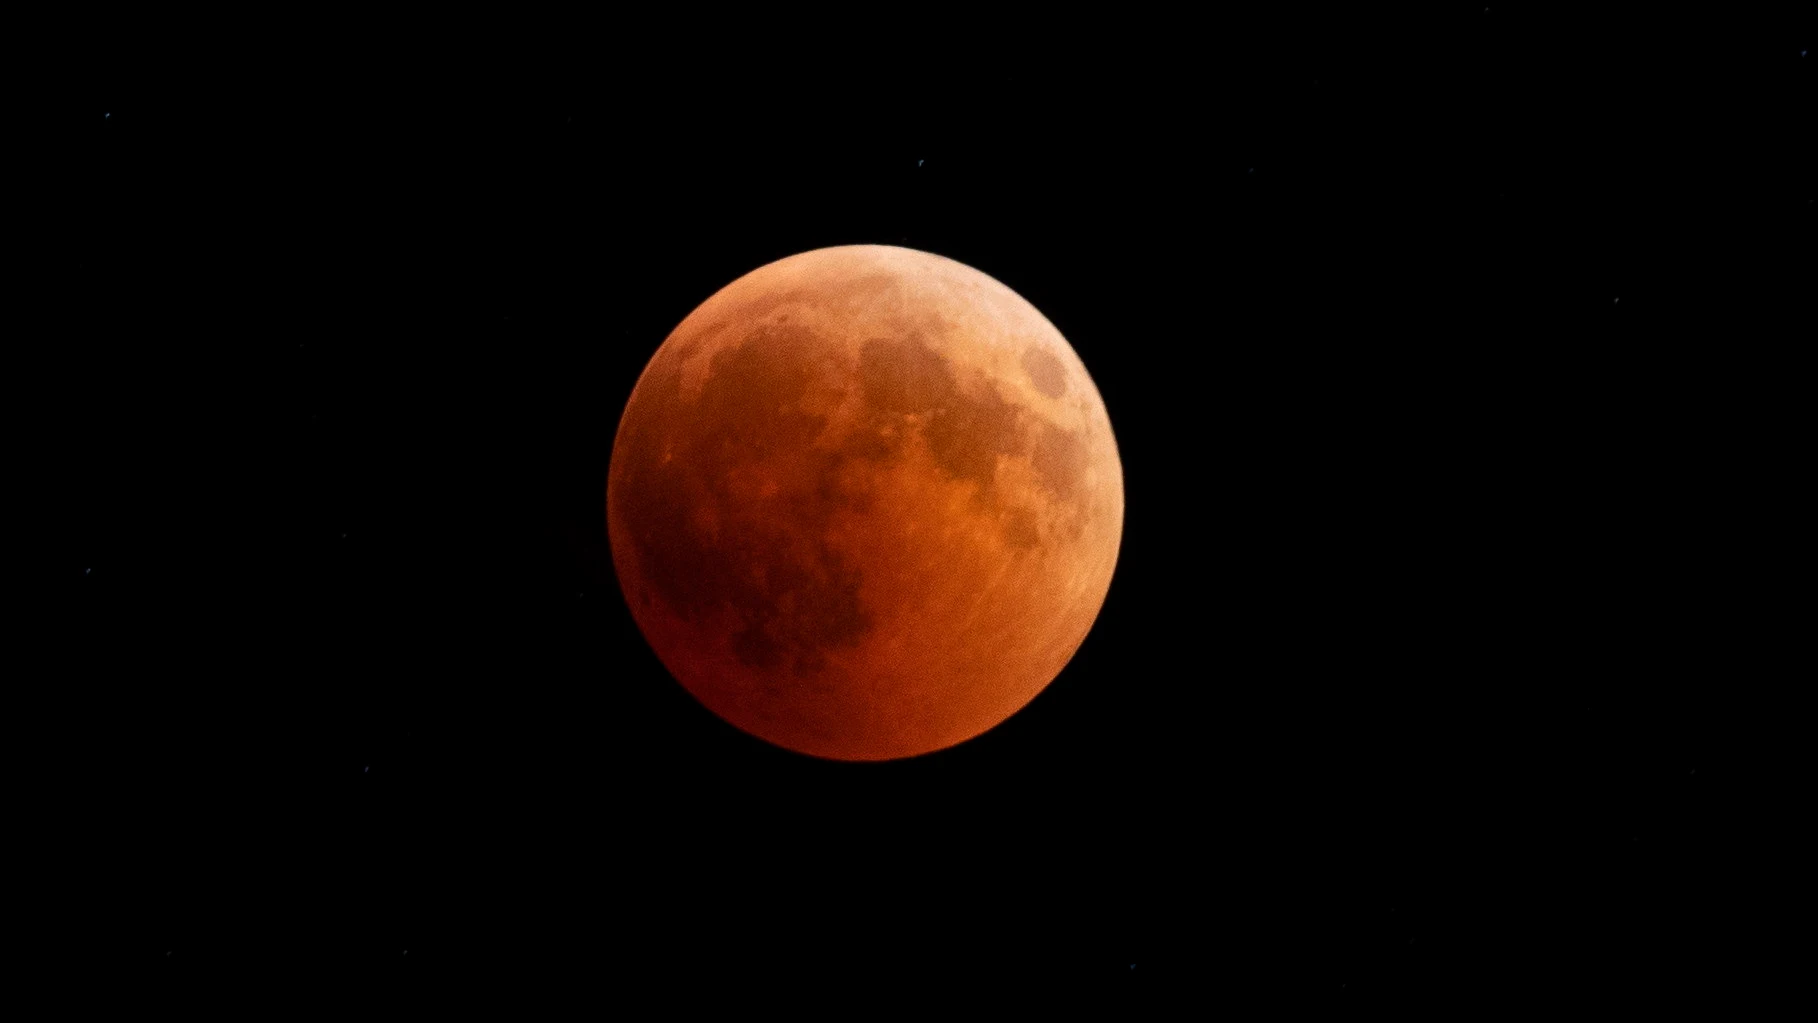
[1045, 372]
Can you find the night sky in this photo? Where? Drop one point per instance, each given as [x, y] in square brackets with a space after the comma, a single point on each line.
[1451, 363]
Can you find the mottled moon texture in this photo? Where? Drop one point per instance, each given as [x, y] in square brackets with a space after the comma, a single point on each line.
[865, 503]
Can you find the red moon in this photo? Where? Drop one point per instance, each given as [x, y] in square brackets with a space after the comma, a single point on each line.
[865, 503]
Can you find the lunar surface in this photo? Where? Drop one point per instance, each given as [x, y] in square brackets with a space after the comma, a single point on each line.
[865, 503]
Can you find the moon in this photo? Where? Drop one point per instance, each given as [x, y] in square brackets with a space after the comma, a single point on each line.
[865, 503]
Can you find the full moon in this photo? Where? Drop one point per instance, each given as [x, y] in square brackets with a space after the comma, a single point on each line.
[865, 503]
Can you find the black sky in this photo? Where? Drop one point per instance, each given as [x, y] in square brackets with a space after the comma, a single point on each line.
[1451, 363]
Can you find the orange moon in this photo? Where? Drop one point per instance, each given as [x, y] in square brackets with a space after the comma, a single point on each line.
[865, 503]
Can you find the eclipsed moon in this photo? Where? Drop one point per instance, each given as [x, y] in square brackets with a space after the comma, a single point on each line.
[865, 503]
